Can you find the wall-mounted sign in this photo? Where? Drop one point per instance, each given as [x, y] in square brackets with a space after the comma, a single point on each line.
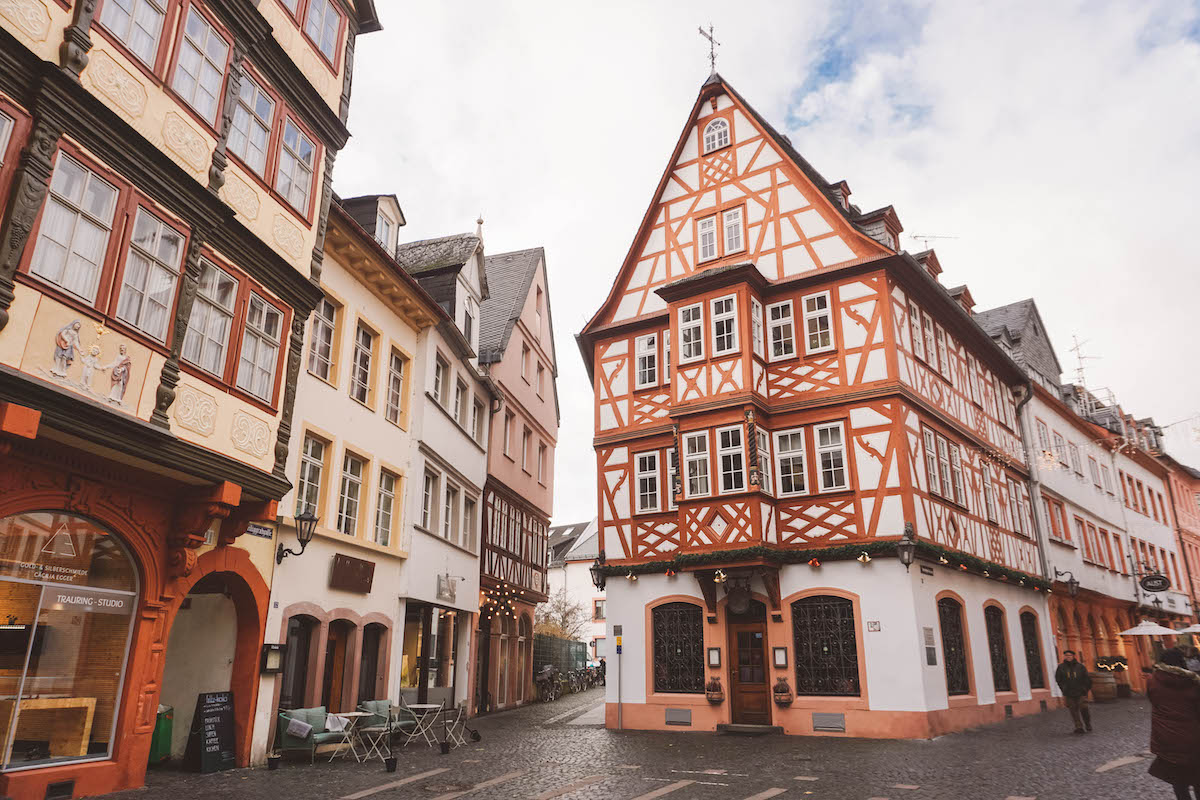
[1155, 583]
[351, 574]
[261, 531]
[446, 588]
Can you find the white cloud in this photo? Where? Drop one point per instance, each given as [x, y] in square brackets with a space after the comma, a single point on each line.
[1056, 142]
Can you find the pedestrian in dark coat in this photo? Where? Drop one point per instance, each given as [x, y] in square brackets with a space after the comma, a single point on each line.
[1174, 693]
[1073, 679]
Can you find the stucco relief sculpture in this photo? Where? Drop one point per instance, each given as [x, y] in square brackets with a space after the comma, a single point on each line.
[249, 434]
[288, 236]
[68, 348]
[30, 16]
[183, 140]
[196, 411]
[117, 83]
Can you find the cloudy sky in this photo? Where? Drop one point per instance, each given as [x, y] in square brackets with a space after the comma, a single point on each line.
[1055, 145]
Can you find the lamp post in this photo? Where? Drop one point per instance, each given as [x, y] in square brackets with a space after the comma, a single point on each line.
[306, 525]
[1072, 584]
[906, 548]
[597, 570]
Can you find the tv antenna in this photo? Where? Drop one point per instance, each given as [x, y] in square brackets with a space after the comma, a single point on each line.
[925, 240]
[712, 45]
[1080, 358]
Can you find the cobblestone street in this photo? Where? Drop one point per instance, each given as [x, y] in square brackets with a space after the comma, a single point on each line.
[561, 751]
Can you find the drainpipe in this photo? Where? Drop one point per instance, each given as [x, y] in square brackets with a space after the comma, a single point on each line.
[1175, 504]
[1035, 491]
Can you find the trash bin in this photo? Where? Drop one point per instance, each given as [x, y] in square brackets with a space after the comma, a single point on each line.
[160, 740]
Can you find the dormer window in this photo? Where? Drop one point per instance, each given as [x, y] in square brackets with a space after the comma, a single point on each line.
[716, 135]
[383, 230]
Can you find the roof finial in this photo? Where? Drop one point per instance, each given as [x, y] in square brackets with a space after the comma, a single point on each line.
[712, 46]
[479, 225]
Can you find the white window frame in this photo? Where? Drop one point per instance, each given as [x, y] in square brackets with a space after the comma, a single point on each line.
[730, 318]
[774, 325]
[441, 374]
[931, 352]
[973, 381]
[736, 454]
[264, 354]
[541, 462]
[989, 493]
[916, 332]
[450, 512]
[461, 397]
[540, 382]
[81, 283]
[508, 424]
[1060, 447]
[943, 350]
[429, 499]
[477, 418]
[932, 473]
[706, 239]
[383, 229]
[695, 327]
[646, 468]
[671, 464]
[385, 520]
[1076, 460]
[840, 450]
[1106, 477]
[943, 453]
[1016, 507]
[791, 454]
[762, 451]
[716, 135]
[956, 474]
[666, 355]
[698, 457]
[321, 334]
[361, 366]
[526, 440]
[817, 315]
[470, 526]
[732, 221]
[1043, 435]
[757, 329]
[394, 407]
[645, 361]
[199, 49]
[350, 482]
[312, 472]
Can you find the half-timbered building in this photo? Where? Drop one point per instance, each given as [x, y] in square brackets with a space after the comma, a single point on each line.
[781, 393]
[165, 176]
[516, 348]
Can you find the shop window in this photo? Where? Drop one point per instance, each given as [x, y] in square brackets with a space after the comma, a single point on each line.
[1032, 640]
[826, 646]
[73, 235]
[68, 591]
[410, 650]
[954, 647]
[993, 619]
[678, 646]
[301, 631]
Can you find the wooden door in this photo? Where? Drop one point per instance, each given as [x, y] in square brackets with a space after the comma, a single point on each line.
[749, 693]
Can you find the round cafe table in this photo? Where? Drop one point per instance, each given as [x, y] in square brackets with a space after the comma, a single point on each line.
[426, 714]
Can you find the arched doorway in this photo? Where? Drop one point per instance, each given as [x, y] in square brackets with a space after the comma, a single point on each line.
[200, 652]
[68, 592]
[302, 631]
[339, 653]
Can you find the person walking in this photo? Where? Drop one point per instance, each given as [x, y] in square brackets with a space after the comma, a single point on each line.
[1192, 660]
[1073, 679]
[1174, 694]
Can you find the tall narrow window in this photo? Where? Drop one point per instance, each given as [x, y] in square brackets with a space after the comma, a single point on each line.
[1043, 436]
[450, 515]
[716, 135]
[470, 525]
[428, 499]
[707, 235]
[695, 459]
[321, 26]
[395, 395]
[312, 464]
[151, 273]
[541, 463]
[763, 454]
[200, 74]
[469, 326]
[320, 345]
[724, 324]
[383, 233]
[779, 327]
[647, 361]
[73, 235]
[989, 492]
[460, 403]
[914, 324]
[1060, 448]
[352, 475]
[541, 380]
[1016, 508]
[537, 313]
[526, 438]
[944, 467]
[831, 457]
[956, 475]
[1076, 462]
[360, 373]
[691, 334]
[731, 456]
[385, 504]
[508, 427]
[931, 350]
[818, 323]
[212, 316]
[732, 220]
[6, 129]
[1033, 650]
[250, 131]
[525, 362]
[260, 348]
[826, 646]
[672, 475]
[137, 23]
[294, 178]
[666, 339]
[1106, 475]
[478, 419]
[943, 352]
[789, 460]
[954, 647]
[646, 477]
[440, 375]
[993, 619]
[973, 381]
[677, 634]
[932, 475]
[1094, 470]
[756, 327]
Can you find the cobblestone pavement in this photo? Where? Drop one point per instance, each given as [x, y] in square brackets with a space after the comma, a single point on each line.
[556, 750]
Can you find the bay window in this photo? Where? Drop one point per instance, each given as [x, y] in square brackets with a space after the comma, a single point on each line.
[151, 275]
[73, 235]
[724, 325]
[672, 474]
[818, 324]
[295, 173]
[691, 334]
[931, 351]
[956, 475]
[260, 348]
[200, 73]
[212, 317]
[731, 458]
[789, 462]
[137, 24]
[695, 459]
[831, 457]
[989, 492]
[779, 327]
[932, 477]
[1016, 507]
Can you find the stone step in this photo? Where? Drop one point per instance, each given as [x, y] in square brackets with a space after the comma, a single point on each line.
[749, 730]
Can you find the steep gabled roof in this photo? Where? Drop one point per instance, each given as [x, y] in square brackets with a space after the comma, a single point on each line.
[425, 255]
[565, 538]
[510, 276]
[1016, 319]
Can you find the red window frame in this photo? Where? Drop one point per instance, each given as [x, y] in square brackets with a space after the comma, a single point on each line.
[168, 82]
[156, 72]
[300, 17]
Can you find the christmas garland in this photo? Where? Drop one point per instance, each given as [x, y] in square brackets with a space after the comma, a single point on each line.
[813, 556]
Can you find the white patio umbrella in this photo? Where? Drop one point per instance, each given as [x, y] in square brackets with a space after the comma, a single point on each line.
[1190, 629]
[1148, 628]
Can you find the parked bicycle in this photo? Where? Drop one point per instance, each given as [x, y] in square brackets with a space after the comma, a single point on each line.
[549, 687]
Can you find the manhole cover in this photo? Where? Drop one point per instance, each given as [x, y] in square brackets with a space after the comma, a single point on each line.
[444, 788]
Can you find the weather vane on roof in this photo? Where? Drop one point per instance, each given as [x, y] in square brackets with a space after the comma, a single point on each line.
[712, 45]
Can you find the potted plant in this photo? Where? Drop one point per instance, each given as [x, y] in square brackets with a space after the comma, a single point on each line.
[713, 690]
[273, 759]
[782, 692]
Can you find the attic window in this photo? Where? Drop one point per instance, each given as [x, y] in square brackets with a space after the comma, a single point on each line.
[383, 230]
[716, 135]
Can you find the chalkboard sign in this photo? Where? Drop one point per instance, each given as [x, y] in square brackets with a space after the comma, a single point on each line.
[211, 738]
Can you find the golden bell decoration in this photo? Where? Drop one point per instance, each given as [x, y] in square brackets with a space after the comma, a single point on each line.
[720, 576]
[814, 562]
[865, 558]
[943, 560]
[631, 577]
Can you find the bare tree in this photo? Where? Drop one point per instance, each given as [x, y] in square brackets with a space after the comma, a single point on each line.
[561, 616]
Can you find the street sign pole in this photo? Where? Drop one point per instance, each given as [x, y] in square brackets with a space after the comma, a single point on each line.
[617, 634]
